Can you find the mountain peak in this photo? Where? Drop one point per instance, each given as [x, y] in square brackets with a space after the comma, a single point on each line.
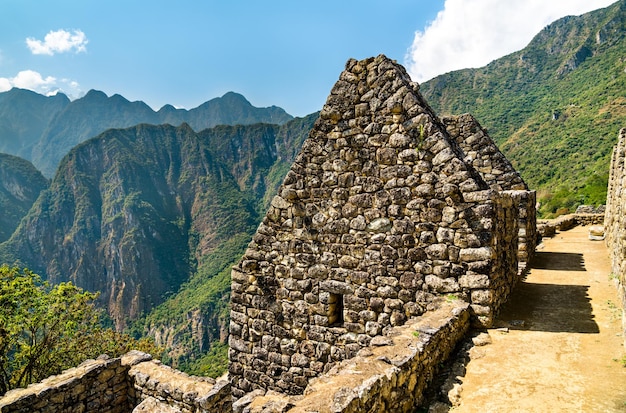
[94, 94]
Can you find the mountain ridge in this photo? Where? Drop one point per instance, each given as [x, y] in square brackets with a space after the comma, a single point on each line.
[546, 105]
[44, 135]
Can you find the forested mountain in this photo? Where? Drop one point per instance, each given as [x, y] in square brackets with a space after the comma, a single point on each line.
[554, 108]
[20, 185]
[153, 214]
[44, 129]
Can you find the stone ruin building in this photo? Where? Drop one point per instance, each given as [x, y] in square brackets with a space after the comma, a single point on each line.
[496, 170]
[386, 208]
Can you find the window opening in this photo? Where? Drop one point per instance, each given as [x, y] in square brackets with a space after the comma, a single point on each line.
[335, 309]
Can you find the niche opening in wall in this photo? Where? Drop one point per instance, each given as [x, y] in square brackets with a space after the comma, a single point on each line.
[335, 309]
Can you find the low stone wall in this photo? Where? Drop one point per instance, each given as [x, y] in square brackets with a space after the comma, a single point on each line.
[133, 383]
[388, 376]
[548, 227]
[156, 385]
[94, 386]
[615, 221]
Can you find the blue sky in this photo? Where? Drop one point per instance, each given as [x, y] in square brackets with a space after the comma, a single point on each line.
[284, 53]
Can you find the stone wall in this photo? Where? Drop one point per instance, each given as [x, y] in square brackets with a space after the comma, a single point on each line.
[480, 151]
[378, 216]
[548, 227]
[133, 383]
[153, 384]
[615, 219]
[94, 386]
[389, 376]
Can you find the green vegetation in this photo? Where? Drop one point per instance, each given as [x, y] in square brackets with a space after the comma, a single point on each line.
[214, 363]
[45, 329]
[554, 108]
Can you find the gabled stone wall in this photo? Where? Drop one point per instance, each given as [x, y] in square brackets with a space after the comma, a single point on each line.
[482, 153]
[615, 220]
[378, 216]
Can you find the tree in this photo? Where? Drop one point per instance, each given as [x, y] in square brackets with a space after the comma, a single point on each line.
[45, 329]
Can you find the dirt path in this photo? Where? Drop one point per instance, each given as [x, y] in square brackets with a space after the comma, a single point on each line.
[563, 349]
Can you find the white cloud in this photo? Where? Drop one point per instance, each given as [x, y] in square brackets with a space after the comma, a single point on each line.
[32, 80]
[59, 41]
[5, 84]
[472, 33]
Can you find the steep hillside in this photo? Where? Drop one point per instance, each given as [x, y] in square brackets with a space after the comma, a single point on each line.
[44, 129]
[554, 107]
[155, 215]
[20, 185]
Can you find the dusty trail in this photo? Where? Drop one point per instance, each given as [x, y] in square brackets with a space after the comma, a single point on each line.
[563, 350]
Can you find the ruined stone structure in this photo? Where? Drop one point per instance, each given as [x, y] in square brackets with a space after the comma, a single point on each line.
[615, 219]
[383, 211]
[390, 375]
[482, 153]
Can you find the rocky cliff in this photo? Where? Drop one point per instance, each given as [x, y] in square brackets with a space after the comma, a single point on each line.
[20, 185]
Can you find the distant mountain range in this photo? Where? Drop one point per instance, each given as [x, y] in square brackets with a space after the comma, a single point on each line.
[43, 129]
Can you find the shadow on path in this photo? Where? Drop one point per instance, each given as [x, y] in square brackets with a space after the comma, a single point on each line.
[558, 261]
[550, 307]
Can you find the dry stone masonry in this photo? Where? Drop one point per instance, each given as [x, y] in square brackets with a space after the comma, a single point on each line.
[132, 383]
[392, 232]
[389, 376]
[382, 212]
[615, 219]
[482, 153]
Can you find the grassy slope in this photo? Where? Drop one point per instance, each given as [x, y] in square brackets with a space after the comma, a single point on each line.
[554, 108]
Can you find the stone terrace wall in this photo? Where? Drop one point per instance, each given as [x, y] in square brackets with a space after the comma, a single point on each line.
[483, 154]
[94, 386]
[132, 383]
[378, 216]
[615, 219]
